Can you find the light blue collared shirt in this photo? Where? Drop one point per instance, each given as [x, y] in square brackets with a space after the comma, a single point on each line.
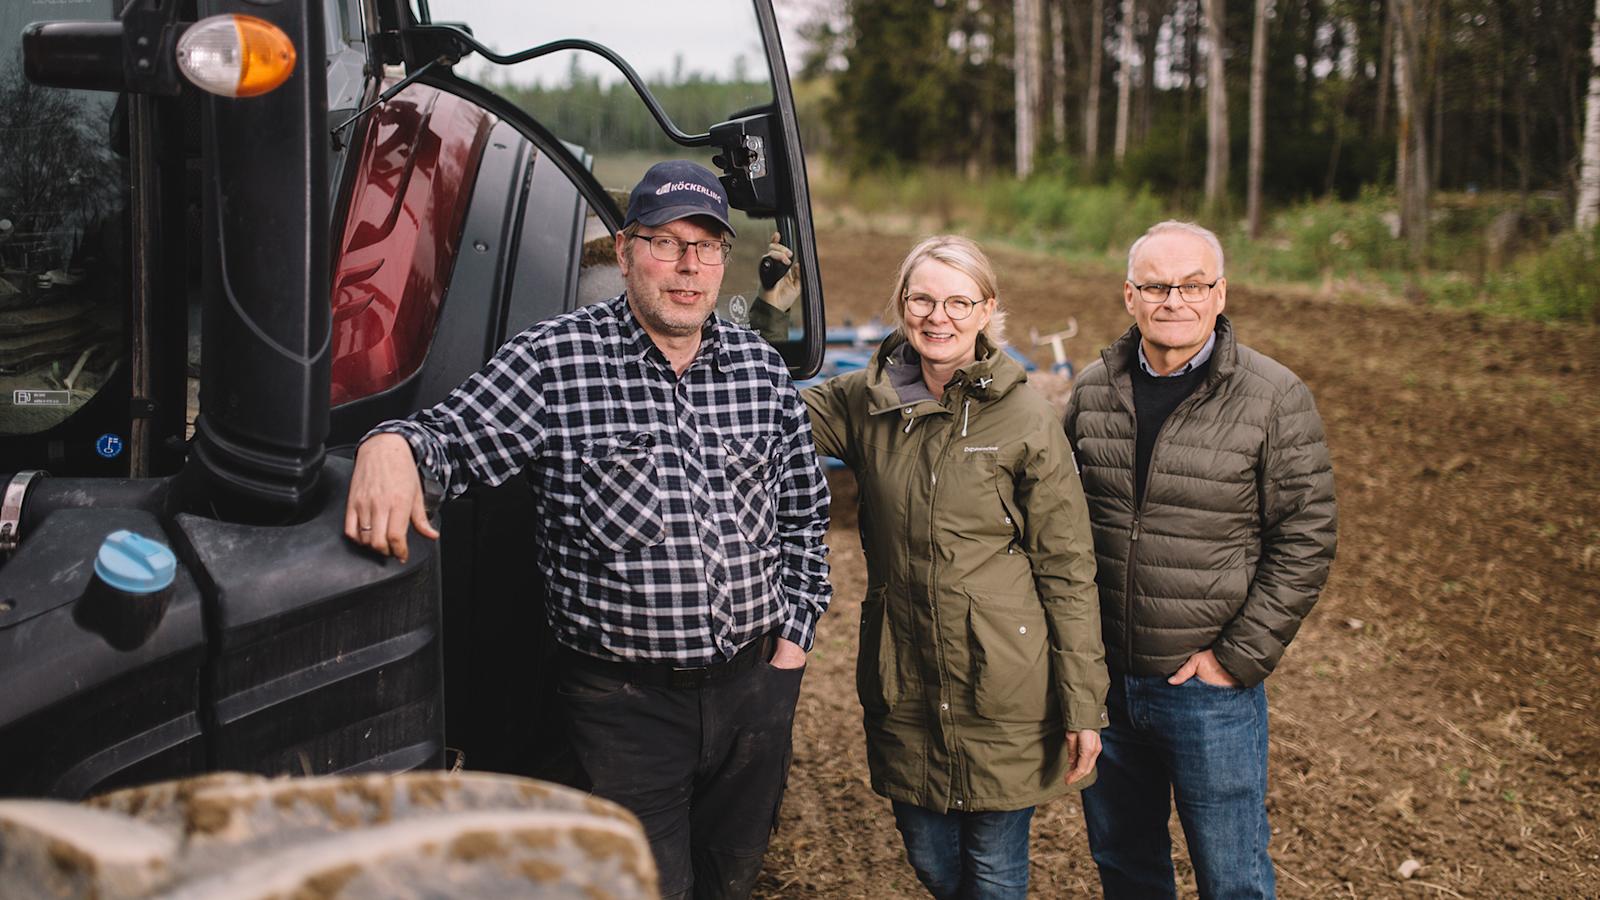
[1196, 362]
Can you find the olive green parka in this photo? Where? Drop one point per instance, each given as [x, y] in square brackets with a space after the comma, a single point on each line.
[980, 630]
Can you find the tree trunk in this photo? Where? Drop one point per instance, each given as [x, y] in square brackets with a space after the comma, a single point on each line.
[1589, 175]
[1436, 170]
[1144, 106]
[1411, 169]
[1258, 116]
[1125, 78]
[1058, 73]
[1216, 109]
[1091, 108]
[1027, 81]
[1385, 66]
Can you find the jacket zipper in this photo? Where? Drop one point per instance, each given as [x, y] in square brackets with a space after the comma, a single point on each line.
[933, 595]
[1138, 509]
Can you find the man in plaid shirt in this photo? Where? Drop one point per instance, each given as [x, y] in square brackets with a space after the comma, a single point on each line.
[682, 517]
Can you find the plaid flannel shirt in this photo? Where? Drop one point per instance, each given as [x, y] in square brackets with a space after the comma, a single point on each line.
[678, 518]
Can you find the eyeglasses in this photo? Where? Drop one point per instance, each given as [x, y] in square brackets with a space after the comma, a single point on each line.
[1191, 292]
[957, 307]
[670, 249]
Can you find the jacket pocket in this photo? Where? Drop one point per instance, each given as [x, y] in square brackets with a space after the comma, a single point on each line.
[621, 496]
[1012, 668]
[747, 470]
[1011, 513]
[877, 674]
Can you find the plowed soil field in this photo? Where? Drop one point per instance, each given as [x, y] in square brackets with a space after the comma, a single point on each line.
[1440, 703]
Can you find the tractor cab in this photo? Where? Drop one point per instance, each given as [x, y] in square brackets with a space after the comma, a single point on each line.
[236, 235]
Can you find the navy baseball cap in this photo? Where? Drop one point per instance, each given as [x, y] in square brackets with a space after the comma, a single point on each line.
[677, 189]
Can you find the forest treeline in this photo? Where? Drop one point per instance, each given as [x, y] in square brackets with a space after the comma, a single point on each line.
[1207, 101]
[1122, 87]
[1457, 137]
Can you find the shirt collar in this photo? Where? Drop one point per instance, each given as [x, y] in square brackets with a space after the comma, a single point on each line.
[1195, 362]
[638, 344]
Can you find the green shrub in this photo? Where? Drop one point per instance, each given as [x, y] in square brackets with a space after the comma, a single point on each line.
[1353, 240]
[1555, 283]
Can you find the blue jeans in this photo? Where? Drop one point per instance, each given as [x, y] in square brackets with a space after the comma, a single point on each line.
[1202, 747]
[971, 856]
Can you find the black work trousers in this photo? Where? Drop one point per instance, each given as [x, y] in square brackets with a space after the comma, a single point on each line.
[703, 767]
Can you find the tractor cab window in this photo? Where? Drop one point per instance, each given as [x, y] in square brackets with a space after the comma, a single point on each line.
[63, 233]
[705, 63]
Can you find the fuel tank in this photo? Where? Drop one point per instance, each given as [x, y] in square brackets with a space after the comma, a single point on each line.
[277, 649]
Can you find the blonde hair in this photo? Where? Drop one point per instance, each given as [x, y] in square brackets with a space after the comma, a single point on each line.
[965, 256]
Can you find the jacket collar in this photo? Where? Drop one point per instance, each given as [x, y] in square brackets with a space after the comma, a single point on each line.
[894, 377]
[1122, 356]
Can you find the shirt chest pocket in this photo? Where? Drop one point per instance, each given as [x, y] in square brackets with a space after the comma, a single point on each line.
[748, 468]
[622, 494]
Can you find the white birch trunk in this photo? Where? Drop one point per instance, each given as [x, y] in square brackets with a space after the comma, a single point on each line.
[1058, 72]
[1216, 108]
[1589, 175]
[1411, 144]
[1124, 79]
[1026, 83]
[1091, 106]
[1258, 116]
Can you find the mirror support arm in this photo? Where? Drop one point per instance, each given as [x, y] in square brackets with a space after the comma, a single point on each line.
[461, 43]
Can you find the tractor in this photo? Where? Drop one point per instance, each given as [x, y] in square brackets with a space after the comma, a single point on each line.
[234, 236]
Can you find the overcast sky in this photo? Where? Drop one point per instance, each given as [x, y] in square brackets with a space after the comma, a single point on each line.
[709, 35]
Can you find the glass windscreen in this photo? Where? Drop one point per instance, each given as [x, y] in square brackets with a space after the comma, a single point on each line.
[704, 62]
[63, 194]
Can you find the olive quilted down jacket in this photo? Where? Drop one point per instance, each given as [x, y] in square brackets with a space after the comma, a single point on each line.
[1234, 538]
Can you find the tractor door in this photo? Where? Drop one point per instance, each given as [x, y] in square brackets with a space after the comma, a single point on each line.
[556, 112]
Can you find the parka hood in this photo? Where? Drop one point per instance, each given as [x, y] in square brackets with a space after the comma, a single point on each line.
[894, 377]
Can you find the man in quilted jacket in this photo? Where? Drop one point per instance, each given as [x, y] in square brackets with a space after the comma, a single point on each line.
[1211, 499]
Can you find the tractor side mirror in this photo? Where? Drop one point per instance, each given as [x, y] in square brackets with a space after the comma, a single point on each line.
[750, 163]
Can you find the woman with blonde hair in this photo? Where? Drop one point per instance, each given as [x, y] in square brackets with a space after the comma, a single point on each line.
[980, 671]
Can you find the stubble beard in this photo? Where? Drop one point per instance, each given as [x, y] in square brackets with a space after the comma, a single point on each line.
[659, 314]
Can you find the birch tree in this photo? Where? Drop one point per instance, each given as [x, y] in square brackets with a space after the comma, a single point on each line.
[1216, 108]
[1258, 116]
[1125, 79]
[1091, 106]
[1411, 146]
[1029, 79]
[1589, 177]
[1058, 72]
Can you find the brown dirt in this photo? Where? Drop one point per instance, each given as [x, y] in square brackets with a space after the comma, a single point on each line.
[1439, 704]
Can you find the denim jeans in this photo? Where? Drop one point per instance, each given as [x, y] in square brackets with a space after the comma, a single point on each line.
[1201, 747]
[967, 855]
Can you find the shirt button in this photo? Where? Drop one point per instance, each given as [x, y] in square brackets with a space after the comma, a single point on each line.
[1010, 550]
[1022, 629]
[944, 706]
[1008, 520]
[958, 802]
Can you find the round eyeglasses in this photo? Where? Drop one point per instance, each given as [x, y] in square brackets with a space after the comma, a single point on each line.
[669, 249]
[956, 307]
[1191, 292]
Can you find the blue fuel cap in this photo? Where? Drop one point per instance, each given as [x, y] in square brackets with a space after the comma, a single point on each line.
[134, 564]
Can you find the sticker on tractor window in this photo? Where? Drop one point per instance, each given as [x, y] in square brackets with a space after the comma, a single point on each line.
[41, 398]
[109, 445]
